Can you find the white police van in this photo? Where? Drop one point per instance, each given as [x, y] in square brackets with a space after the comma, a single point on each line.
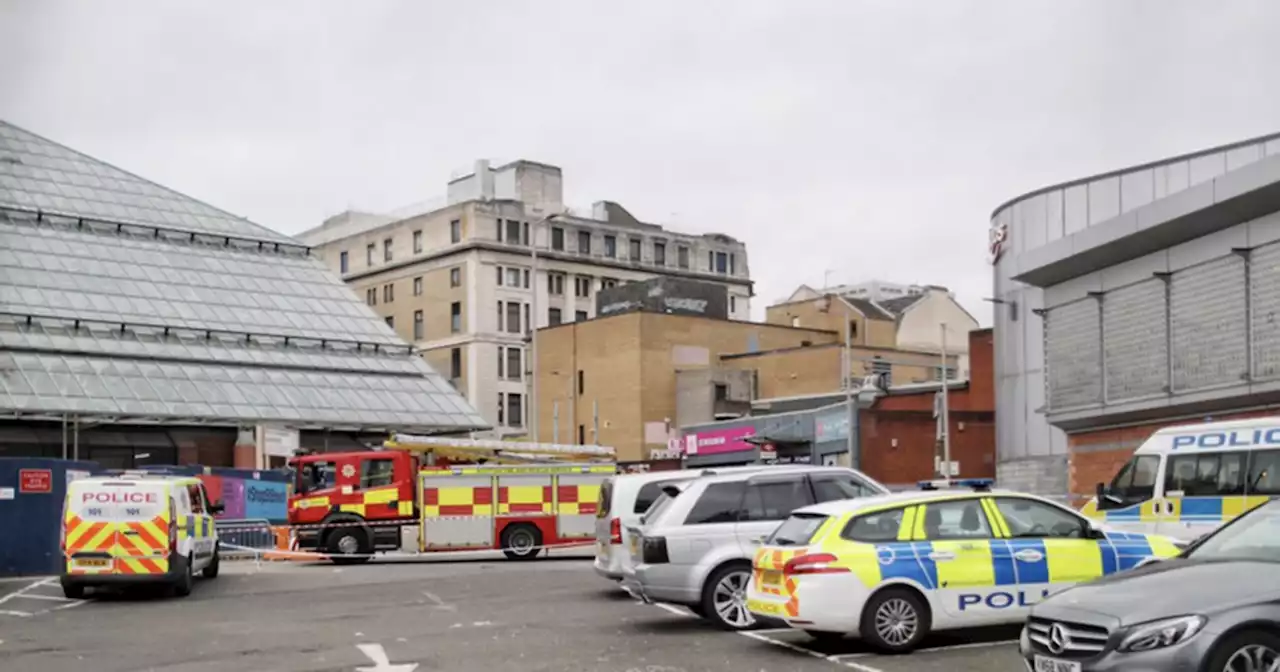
[1187, 480]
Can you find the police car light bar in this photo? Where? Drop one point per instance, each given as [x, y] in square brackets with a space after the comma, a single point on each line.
[974, 483]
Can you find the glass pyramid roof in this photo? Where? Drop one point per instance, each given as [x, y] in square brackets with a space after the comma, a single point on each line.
[120, 299]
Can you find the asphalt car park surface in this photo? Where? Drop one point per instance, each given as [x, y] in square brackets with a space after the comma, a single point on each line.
[408, 615]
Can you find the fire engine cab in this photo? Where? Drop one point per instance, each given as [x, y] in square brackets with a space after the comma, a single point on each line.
[442, 494]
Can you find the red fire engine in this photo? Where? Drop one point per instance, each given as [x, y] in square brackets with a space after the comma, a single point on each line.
[440, 494]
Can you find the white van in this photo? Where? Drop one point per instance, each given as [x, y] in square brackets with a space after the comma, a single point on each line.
[137, 529]
[624, 499]
[1185, 481]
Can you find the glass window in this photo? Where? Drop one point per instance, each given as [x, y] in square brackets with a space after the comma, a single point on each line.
[455, 279]
[682, 257]
[386, 249]
[722, 265]
[776, 499]
[660, 253]
[874, 527]
[557, 238]
[962, 519]
[342, 262]
[584, 242]
[377, 473]
[455, 317]
[368, 254]
[610, 246]
[1205, 474]
[553, 316]
[1255, 535]
[501, 275]
[513, 232]
[417, 325]
[455, 231]
[579, 315]
[633, 252]
[831, 487]
[417, 242]
[455, 363]
[515, 409]
[648, 494]
[513, 317]
[417, 286]
[197, 501]
[719, 503]
[1137, 478]
[1031, 518]
[796, 530]
[1264, 473]
[513, 364]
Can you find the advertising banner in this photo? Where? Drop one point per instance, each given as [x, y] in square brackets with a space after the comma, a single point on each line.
[719, 441]
[265, 499]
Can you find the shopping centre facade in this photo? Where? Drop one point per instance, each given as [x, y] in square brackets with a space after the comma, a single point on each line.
[1132, 300]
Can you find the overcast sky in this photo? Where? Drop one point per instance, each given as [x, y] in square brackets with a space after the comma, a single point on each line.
[871, 139]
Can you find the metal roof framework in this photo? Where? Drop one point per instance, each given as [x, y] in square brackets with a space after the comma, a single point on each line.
[123, 301]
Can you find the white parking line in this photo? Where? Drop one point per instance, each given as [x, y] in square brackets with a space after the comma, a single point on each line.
[930, 649]
[33, 596]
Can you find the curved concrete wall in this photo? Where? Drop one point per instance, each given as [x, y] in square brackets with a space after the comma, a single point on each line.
[1032, 454]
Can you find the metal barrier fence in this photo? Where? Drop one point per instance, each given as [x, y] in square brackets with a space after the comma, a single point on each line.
[249, 533]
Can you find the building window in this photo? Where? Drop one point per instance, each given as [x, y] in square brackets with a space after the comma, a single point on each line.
[608, 283]
[500, 275]
[388, 292]
[582, 435]
[513, 364]
[555, 284]
[455, 277]
[882, 368]
[499, 316]
[386, 249]
[513, 317]
[417, 286]
[455, 317]
[853, 330]
[525, 239]
[682, 257]
[513, 232]
[342, 262]
[659, 253]
[610, 246]
[455, 231]
[455, 363]
[721, 261]
[515, 409]
[634, 252]
[553, 316]
[371, 296]
[417, 325]
[528, 324]
[502, 411]
[721, 392]
[391, 321]
[732, 266]
[733, 304]
[513, 277]
[526, 278]
[582, 384]
[582, 286]
[557, 238]
[579, 315]
[584, 242]
[369, 250]
[417, 242]
[502, 356]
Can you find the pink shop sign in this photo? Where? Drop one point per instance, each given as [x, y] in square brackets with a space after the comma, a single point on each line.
[719, 441]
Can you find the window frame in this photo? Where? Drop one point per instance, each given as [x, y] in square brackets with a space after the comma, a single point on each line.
[758, 484]
[1085, 525]
[740, 485]
[365, 471]
[846, 532]
[992, 529]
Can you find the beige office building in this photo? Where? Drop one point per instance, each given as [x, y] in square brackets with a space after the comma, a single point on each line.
[459, 280]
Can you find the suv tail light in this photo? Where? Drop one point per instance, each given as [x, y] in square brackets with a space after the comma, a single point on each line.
[812, 563]
[615, 531]
[654, 550]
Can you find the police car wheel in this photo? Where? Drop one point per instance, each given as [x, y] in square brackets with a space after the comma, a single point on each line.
[895, 620]
[1245, 651]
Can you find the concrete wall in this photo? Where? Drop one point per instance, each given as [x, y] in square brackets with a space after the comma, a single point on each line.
[919, 327]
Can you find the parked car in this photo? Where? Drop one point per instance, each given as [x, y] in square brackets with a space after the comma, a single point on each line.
[893, 568]
[695, 547]
[1214, 607]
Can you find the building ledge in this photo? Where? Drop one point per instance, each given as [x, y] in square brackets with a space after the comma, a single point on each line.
[1234, 198]
[1222, 399]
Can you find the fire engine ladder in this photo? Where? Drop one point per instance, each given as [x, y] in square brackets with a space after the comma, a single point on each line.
[494, 450]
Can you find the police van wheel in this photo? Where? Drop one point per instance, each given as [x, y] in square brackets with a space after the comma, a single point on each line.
[349, 547]
[183, 587]
[73, 591]
[211, 570]
[895, 620]
[521, 541]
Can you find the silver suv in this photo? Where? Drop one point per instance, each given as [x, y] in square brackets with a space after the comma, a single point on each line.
[694, 546]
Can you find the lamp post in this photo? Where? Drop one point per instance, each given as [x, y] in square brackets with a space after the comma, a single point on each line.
[533, 326]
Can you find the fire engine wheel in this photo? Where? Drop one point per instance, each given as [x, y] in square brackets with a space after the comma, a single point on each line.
[349, 546]
[521, 541]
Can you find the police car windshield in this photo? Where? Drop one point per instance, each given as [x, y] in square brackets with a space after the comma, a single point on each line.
[1255, 536]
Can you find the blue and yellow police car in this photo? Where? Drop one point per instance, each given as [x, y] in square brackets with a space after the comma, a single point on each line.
[892, 568]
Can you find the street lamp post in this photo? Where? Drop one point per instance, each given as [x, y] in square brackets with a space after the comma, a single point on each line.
[533, 326]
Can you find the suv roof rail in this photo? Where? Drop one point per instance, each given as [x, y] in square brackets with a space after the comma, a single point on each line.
[976, 484]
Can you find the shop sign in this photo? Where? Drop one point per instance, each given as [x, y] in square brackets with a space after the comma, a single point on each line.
[719, 441]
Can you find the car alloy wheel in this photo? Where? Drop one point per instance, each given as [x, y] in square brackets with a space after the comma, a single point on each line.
[1252, 658]
[896, 622]
[730, 600]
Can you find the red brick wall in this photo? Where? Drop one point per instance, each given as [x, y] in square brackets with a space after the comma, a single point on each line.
[911, 459]
[1096, 456]
[982, 372]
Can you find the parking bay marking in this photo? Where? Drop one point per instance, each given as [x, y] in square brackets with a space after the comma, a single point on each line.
[930, 649]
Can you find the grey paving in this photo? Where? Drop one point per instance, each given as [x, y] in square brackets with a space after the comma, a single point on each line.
[488, 614]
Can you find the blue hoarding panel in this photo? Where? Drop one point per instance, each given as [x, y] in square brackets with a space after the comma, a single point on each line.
[31, 494]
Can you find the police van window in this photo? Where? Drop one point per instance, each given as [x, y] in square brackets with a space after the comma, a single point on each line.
[648, 494]
[832, 487]
[197, 504]
[719, 503]
[1029, 518]
[376, 473]
[962, 519]
[1137, 478]
[1205, 474]
[1264, 473]
[775, 499]
[874, 527]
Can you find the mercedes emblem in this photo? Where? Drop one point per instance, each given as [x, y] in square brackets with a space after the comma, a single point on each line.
[1059, 640]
